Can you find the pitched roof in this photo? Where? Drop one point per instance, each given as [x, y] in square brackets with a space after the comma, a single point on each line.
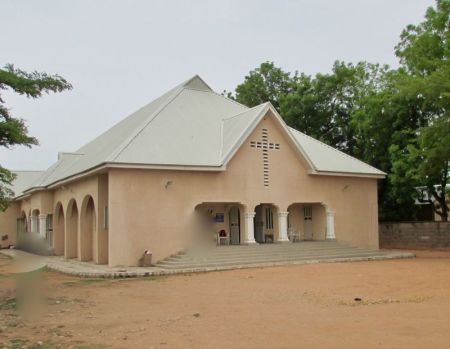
[189, 126]
[24, 179]
[328, 159]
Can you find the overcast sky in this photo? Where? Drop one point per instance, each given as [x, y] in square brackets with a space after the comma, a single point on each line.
[119, 55]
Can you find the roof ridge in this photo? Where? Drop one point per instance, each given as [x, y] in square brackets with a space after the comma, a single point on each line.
[39, 180]
[146, 122]
[245, 132]
[196, 76]
[243, 112]
[14, 171]
[334, 149]
[229, 99]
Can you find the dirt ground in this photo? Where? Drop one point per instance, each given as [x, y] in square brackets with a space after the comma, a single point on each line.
[404, 304]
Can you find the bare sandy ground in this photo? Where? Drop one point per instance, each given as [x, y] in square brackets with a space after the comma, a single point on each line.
[404, 304]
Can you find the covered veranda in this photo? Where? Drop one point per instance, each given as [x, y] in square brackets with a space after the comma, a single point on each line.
[237, 223]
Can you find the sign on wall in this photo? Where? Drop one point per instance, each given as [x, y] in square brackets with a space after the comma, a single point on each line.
[220, 217]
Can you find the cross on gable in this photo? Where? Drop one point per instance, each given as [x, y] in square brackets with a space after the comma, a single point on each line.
[265, 145]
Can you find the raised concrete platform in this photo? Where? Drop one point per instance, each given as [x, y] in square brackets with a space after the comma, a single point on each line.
[230, 257]
[225, 258]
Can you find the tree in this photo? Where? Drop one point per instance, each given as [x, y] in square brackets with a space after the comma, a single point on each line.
[13, 131]
[322, 106]
[386, 124]
[267, 83]
[424, 51]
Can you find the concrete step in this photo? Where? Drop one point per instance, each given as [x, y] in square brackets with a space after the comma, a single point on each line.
[266, 259]
[197, 258]
[228, 256]
[210, 264]
[262, 252]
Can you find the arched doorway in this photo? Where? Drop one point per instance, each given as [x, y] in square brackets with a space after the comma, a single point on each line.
[87, 228]
[71, 236]
[234, 218]
[214, 218]
[35, 221]
[58, 230]
[265, 223]
[307, 221]
[22, 228]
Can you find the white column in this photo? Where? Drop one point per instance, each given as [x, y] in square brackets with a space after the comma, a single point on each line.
[330, 226]
[282, 227]
[43, 225]
[249, 230]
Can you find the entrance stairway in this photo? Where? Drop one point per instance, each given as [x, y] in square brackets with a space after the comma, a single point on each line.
[230, 257]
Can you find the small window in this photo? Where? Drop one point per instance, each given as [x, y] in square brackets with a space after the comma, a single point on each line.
[307, 211]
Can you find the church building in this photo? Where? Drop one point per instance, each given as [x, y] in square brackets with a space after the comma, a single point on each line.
[144, 183]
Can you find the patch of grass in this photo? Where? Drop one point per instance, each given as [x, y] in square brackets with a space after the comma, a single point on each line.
[144, 278]
[19, 343]
[152, 278]
[93, 280]
[63, 300]
[16, 343]
[413, 299]
[84, 281]
[8, 304]
[44, 345]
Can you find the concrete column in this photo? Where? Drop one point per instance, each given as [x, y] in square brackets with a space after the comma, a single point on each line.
[283, 227]
[330, 226]
[43, 225]
[249, 230]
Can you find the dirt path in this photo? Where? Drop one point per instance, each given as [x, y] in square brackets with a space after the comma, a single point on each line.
[405, 304]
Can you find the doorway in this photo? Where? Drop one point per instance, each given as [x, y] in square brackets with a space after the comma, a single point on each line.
[235, 223]
[307, 213]
[264, 226]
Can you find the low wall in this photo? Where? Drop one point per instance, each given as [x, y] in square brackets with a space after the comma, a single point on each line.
[415, 235]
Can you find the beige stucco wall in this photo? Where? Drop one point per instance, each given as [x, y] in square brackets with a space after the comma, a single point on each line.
[8, 225]
[148, 213]
[155, 209]
[77, 193]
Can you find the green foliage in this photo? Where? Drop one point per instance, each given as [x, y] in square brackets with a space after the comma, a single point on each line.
[395, 120]
[6, 179]
[322, 106]
[267, 83]
[13, 131]
[423, 48]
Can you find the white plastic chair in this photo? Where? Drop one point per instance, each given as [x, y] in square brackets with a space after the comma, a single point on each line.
[223, 236]
[293, 235]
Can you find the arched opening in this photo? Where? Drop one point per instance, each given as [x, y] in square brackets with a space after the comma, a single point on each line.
[22, 225]
[58, 230]
[307, 221]
[71, 236]
[35, 221]
[87, 228]
[218, 223]
[266, 223]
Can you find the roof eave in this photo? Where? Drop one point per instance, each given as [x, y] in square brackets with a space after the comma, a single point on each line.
[348, 174]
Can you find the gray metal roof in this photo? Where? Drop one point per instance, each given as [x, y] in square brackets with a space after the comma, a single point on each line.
[192, 126]
[329, 159]
[24, 179]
